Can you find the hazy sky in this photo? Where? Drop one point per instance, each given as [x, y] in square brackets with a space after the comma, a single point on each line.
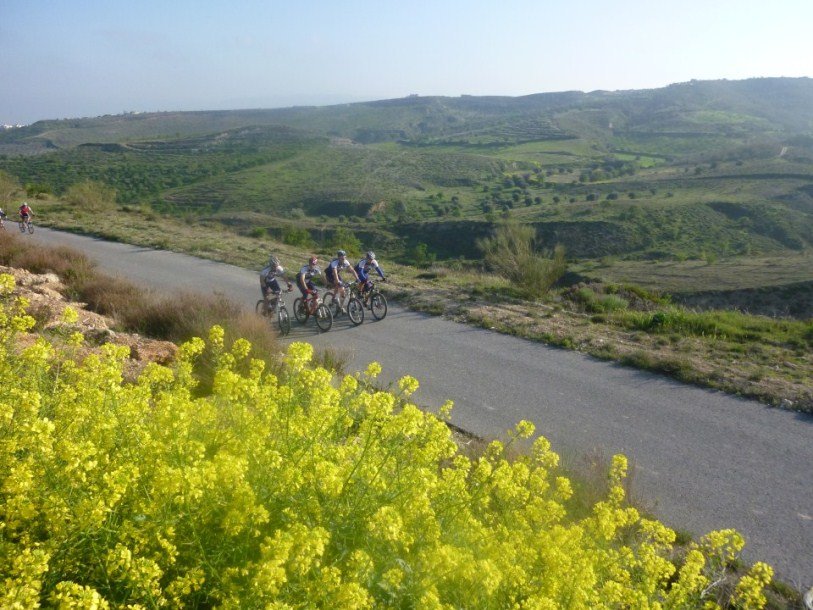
[77, 58]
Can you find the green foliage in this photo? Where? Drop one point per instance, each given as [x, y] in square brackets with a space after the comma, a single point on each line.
[9, 187]
[37, 189]
[604, 303]
[91, 196]
[344, 239]
[721, 324]
[420, 256]
[511, 252]
[297, 236]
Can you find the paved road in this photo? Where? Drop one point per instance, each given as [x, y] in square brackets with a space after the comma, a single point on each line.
[703, 460]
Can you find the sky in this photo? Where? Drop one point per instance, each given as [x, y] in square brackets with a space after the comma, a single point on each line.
[68, 59]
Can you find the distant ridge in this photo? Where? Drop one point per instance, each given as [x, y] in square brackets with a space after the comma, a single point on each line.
[780, 104]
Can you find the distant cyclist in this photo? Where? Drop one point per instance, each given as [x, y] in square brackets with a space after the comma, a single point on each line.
[2, 217]
[363, 269]
[269, 285]
[333, 274]
[304, 277]
[25, 212]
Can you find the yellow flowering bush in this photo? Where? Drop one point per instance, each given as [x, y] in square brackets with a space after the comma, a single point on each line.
[293, 489]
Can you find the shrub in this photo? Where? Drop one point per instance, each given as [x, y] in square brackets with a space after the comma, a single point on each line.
[297, 237]
[612, 302]
[9, 187]
[511, 252]
[420, 256]
[344, 239]
[91, 196]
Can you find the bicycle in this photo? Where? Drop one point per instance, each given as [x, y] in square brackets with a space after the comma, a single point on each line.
[25, 223]
[372, 299]
[351, 304]
[312, 305]
[277, 309]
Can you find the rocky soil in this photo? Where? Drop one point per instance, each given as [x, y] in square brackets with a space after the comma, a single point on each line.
[46, 297]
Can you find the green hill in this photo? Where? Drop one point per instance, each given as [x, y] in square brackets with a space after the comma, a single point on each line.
[703, 169]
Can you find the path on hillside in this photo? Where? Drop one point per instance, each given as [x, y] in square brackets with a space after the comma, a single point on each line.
[703, 460]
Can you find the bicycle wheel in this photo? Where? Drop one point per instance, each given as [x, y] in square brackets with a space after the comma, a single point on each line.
[283, 320]
[378, 306]
[259, 308]
[22, 227]
[30, 228]
[300, 313]
[332, 303]
[355, 311]
[324, 319]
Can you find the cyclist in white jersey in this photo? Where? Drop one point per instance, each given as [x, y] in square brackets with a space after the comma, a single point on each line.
[269, 284]
[333, 274]
[304, 277]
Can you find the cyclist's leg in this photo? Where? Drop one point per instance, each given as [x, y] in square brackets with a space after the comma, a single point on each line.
[343, 296]
[265, 290]
[314, 295]
[273, 294]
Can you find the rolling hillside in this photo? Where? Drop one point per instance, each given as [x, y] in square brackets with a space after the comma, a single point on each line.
[695, 171]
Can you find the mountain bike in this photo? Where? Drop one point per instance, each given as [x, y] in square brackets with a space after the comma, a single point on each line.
[278, 310]
[25, 223]
[350, 304]
[312, 305]
[372, 299]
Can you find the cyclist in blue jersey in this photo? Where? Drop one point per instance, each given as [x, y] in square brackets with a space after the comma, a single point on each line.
[363, 269]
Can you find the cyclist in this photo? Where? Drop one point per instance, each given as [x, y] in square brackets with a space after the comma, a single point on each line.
[25, 213]
[269, 285]
[363, 271]
[2, 217]
[333, 275]
[303, 278]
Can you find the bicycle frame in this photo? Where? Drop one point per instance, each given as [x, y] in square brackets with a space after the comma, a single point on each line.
[349, 289]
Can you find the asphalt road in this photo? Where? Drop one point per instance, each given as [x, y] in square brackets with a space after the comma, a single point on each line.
[702, 460]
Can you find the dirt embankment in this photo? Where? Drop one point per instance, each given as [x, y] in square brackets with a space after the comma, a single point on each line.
[47, 303]
[789, 301]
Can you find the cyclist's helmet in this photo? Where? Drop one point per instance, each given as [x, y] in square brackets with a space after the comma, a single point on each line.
[312, 261]
[341, 253]
[273, 262]
[370, 255]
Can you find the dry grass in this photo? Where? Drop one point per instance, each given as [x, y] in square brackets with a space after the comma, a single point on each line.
[134, 309]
